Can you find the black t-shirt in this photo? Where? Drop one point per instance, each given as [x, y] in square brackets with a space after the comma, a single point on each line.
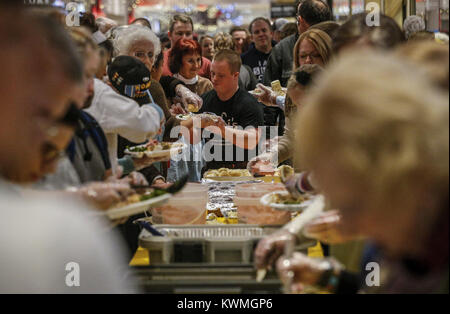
[240, 110]
[257, 61]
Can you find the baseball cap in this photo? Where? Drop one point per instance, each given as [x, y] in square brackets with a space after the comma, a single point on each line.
[131, 78]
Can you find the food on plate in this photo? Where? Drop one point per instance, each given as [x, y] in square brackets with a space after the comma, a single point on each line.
[192, 108]
[138, 197]
[210, 115]
[256, 91]
[286, 199]
[183, 117]
[225, 172]
[276, 87]
[160, 148]
[211, 173]
[284, 172]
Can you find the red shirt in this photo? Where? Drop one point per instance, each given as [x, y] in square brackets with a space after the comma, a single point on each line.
[205, 70]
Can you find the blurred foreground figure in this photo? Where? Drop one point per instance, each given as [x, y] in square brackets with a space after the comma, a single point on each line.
[380, 155]
[48, 246]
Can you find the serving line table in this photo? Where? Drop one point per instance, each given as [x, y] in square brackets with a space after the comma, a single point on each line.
[205, 277]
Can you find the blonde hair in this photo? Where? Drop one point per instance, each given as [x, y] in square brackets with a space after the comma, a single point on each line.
[431, 57]
[231, 57]
[82, 38]
[223, 41]
[319, 39]
[381, 123]
[313, 70]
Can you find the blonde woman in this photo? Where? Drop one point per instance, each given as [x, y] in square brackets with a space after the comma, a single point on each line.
[312, 47]
[298, 85]
[378, 144]
[431, 57]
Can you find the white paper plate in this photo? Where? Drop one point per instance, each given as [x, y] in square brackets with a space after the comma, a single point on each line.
[183, 117]
[256, 92]
[137, 208]
[174, 150]
[230, 178]
[266, 201]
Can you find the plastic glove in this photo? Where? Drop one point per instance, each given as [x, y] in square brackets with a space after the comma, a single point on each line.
[105, 24]
[177, 109]
[267, 97]
[262, 164]
[206, 120]
[145, 161]
[188, 97]
[270, 248]
[137, 178]
[306, 271]
[104, 194]
[326, 228]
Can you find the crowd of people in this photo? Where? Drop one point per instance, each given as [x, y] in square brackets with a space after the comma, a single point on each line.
[364, 121]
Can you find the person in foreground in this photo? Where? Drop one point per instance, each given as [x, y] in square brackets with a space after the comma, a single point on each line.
[48, 245]
[388, 176]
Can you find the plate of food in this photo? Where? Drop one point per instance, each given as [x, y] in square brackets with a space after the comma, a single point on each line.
[137, 203]
[225, 174]
[192, 108]
[256, 92]
[282, 200]
[184, 117]
[276, 87]
[155, 150]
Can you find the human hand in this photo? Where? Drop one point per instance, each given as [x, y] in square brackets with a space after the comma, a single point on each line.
[300, 271]
[261, 164]
[145, 161]
[326, 228]
[272, 247]
[104, 194]
[177, 109]
[189, 98]
[161, 184]
[267, 97]
[136, 178]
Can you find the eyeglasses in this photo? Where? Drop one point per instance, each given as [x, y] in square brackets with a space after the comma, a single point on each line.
[311, 56]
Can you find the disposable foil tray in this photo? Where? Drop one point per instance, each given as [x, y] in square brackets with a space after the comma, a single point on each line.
[210, 244]
[212, 231]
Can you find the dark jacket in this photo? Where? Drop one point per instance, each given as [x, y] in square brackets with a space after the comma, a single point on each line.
[279, 64]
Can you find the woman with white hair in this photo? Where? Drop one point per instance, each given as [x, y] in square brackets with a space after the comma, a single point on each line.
[413, 24]
[140, 42]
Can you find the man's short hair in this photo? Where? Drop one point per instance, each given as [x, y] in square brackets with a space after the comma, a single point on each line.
[182, 19]
[231, 57]
[314, 11]
[238, 29]
[259, 19]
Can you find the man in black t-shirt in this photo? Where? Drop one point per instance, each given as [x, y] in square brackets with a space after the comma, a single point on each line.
[256, 58]
[228, 144]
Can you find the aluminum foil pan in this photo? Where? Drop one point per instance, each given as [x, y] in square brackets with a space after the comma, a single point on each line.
[213, 231]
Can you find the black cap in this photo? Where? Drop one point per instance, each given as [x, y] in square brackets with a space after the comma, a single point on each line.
[131, 78]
